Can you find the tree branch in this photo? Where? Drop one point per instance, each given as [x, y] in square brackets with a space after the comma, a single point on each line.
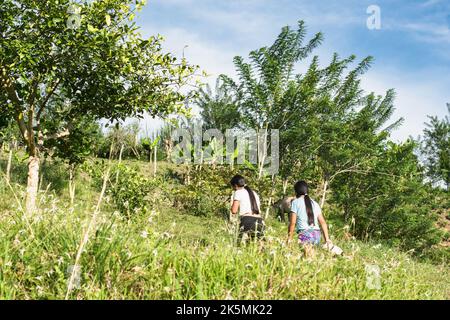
[18, 112]
[61, 134]
[44, 103]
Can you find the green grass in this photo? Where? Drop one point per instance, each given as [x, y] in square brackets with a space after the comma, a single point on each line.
[167, 254]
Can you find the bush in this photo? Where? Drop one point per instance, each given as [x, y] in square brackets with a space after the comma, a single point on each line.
[203, 190]
[395, 206]
[128, 189]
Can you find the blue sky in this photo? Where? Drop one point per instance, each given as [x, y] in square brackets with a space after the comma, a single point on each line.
[411, 50]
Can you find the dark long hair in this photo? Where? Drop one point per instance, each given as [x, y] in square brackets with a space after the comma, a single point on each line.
[301, 189]
[239, 181]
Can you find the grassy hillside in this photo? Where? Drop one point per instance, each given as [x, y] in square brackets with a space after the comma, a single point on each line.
[166, 253]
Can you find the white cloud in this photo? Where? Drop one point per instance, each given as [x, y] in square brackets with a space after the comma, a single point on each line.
[430, 3]
[429, 32]
[416, 98]
[211, 57]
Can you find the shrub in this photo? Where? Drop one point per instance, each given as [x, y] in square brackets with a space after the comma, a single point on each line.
[203, 192]
[129, 189]
[394, 206]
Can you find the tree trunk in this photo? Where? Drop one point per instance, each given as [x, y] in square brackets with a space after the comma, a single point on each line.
[155, 154]
[72, 184]
[266, 215]
[150, 155]
[285, 184]
[32, 184]
[262, 160]
[41, 174]
[8, 166]
[120, 161]
[168, 149]
[120, 153]
[232, 159]
[269, 205]
[188, 176]
[325, 186]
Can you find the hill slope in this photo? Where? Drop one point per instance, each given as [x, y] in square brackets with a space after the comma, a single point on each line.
[169, 254]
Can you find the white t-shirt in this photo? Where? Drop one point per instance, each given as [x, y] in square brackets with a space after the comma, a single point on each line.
[245, 206]
[299, 208]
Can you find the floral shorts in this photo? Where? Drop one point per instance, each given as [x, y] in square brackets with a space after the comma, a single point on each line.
[309, 237]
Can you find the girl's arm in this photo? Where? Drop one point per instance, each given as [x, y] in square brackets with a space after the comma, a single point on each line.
[235, 207]
[324, 226]
[292, 222]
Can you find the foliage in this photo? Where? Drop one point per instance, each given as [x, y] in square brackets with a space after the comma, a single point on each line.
[335, 136]
[203, 191]
[129, 192]
[166, 255]
[218, 110]
[9, 133]
[57, 82]
[149, 145]
[128, 188]
[390, 202]
[265, 80]
[123, 139]
[82, 142]
[436, 149]
[101, 68]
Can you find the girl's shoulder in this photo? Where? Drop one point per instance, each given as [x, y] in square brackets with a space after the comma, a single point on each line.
[298, 201]
[240, 194]
[301, 201]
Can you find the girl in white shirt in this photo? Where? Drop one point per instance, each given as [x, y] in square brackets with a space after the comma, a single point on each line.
[247, 203]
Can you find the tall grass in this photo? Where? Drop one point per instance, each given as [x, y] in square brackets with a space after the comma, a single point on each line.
[165, 254]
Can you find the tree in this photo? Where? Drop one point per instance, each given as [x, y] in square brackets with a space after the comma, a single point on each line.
[165, 141]
[219, 110]
[86, 60]
[76, 147]
[435, 147]
[151, 146]
[265, 81]
[390, 201]
[335, 135]
[9, 142]
[123, 139]
[323, 115]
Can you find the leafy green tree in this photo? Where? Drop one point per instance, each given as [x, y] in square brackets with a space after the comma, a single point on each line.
[73, 149]
[390, 202]
[121, 140]
[336, 136]
[316, 112]
[350, 139]
[57, 57]
[9, 138]
[435, 149]
[219, 110]
[266, 81]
